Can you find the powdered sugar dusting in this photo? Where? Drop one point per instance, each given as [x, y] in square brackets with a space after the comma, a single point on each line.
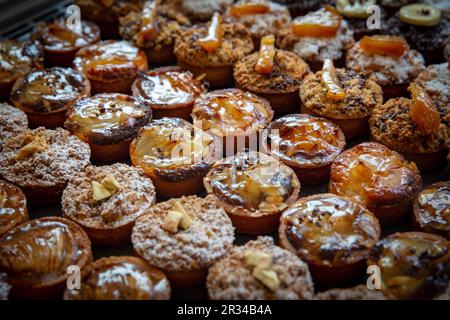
[12, 121]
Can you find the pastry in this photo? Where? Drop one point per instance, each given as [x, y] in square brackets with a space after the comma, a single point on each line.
[37, 255]
[234, 116]
[414, 265]
[175, 155]
[13, 207]
[183, 237]
[213, 49]
[432, 209]
[379, 178]
[111, 66]
[343, 96]
[61, 42]
[276, 78]
[333, 234]
[12, 122]
[259, 270]
[106, 201]
[121, 278]
[17, 58]
[202, 10]
[254, 189]
[418, 128]
[435, 79]
[108, 122]
[307, 144]
[42, 161]
[317, 36]
[360, 292]
[388, 61]
[170, 91]
[45, 95]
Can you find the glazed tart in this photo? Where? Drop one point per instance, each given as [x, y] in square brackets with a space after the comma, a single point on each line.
[343, 96]
[41, 162]
[170, 91]
[333, 234]
[106, 201]
[121, 278]
[37, 254]
[418, 128]
[379, 178]
[61, 43]
[45, 95]
[12, 122]
[261, 17]
[273, 74]
[317, 36]
[175, 155]
[254, 189]
[111, 66]
[234, 116]
[259, 270]
[307, 144]
[5, 288]
[388, 61]
[16, 60]
[106, 13]
[360, 292]
[154, 29]
[213, 49]
[414, 265]
[202, 10]
[13, 207]
[108, 122]
[432, 209]
[184, 237]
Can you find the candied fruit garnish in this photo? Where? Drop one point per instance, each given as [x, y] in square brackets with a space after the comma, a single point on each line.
[249, 8]
[391, 46]
[60, 33]
[331, 82]
[318, 28]
[213, 40]
[149, 24]
[264, 65]
[424, 113]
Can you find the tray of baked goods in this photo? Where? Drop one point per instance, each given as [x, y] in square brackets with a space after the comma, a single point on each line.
[213, 149]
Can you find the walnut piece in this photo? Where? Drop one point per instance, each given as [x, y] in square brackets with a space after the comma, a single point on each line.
[36, 145]
[99, 192]
[172, 221]
[258, 259]
[268, 277]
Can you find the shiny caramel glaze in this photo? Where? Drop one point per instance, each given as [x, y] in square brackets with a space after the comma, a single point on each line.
[432, 208]
[13, 207]
[374, 175]
[305, 141]
[121, 278]
[107, 118]
[58, 36]
[110, 60]
[36, 254]
[50, 90]
[413, 264]
[231, 112]
[253, 183]
[168, 87]
[329, 230]
[172, 149]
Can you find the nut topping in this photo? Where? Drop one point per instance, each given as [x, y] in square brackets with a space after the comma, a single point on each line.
[262, 263]
[105, 189]
[177, 219]
[38, 144]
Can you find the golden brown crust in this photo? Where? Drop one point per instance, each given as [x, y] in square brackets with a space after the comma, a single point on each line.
[13, 207]
[288, 72]
[121, 278]
[361, 96]
[40, 269]
[12, 122]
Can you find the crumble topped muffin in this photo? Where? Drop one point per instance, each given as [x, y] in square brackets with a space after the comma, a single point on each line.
[12, 122]
[360, 292]
[279, 275]
[435, 79]
[202, 10]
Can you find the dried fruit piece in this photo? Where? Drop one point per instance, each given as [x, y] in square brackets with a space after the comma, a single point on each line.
[172, 221]
[391, 46]
[36, 145]
[354, 8]
[421, 15]
[269, 278]
[328, 29]
[215, 32]
[110, 183]
[249, 8]
[149, 24]
[258, 259]
[331, 81]
[424, 113]
[264, 65]
[99, 192]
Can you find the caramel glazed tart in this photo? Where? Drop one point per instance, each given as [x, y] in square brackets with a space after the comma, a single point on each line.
[184, 255]
[108, 218]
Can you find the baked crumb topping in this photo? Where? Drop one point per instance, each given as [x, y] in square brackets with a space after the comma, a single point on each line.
[210, 236]
[202, 10]
[231, 278]
[12, 121]
[435, 79]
